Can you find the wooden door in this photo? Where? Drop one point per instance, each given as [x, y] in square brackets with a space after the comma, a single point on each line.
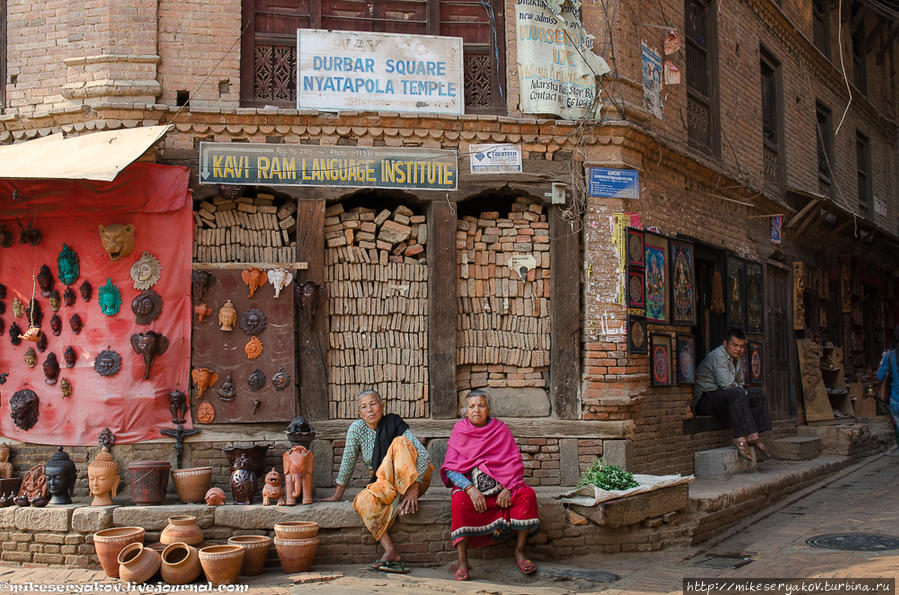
[779, 349]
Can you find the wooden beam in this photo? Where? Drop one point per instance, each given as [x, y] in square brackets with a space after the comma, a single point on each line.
[805, 210]
[810, 219]
[564, 357]
[841, 227]
[869, 41]
[442, 310]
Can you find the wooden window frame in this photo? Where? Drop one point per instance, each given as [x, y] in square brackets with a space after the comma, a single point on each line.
[767, 60]
[821, 25]
[710, 97]
[859, 57]
[824, 145]
[863, 172]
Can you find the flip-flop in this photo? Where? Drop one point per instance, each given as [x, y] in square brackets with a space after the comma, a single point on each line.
[394, 567]
[462, 574]
[527, 567]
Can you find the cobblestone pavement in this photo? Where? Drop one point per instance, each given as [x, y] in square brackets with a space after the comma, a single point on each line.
[861, 499]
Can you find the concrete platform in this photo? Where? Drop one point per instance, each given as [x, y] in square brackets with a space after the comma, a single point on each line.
[722, 462]
[796, 448]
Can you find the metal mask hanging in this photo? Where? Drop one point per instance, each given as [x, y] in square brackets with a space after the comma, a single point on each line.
[109, 298]
[67, 265]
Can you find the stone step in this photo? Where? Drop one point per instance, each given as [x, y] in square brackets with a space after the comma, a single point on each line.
[718, 462]
[796, 448]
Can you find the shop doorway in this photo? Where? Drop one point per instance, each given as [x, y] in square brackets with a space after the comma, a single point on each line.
[779, 345]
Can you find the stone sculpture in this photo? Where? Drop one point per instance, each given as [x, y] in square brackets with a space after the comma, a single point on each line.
[117, 239]
[298, 464]
[33, 488]
[103, 478]
[60, 473]
[273, 491]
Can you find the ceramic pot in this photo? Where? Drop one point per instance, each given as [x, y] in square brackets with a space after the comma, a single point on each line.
[222, 563]
[138, 564]
[149, 481]
[180, 564]
[192, 483]
[296, 554]
[183, 529]
[109, 542]
[255, 552]
[296, 529]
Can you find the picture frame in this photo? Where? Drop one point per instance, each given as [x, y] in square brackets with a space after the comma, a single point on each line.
[735, 292]
[756, 366]
[755, 298]
[636, 257]
[686, 359]
[636, 298]
[637, 339]
[683, 283]
[656, 277]
[660, 360]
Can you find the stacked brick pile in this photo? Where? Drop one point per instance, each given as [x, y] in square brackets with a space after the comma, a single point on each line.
[504, 323]
[246, 229]
[377, 282]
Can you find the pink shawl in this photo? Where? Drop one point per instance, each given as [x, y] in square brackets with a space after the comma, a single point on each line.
[491, 448]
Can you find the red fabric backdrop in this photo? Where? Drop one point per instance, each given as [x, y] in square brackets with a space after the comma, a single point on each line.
[156, 200]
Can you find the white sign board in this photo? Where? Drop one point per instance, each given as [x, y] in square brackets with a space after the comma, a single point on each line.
[351, 70]
[880, 206]
[493, 159]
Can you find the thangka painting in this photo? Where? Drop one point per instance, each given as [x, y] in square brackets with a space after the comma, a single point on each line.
[686, 359]
[635, 255]
[635, 288]
[683, 285]
[637, 341]
[656, 295]
[660, 360]
[756, 369]
[735, 292]
[755, 317]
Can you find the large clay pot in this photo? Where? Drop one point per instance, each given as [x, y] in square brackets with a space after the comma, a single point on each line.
[296, 529]
[296, 554]
[222, 563]
[138, 564]
[109, 542]
[192, 483]
[255, 552]
[149, 481]
[180, 564]
[183, 529]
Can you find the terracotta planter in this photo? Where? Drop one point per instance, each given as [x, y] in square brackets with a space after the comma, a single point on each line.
[222, 563]
[180, 564]
[183, 529]
[296, 529]
[192, 483]
[296, 554]
[138, 564]
[149, 481]
[255, 552]
[109, 542]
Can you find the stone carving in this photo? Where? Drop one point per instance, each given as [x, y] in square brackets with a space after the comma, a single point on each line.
[254, 278]
[243, 480]
[55, 325]
[45, 280]
[256, 380]
[54, 300]
[202, 311]
[24, 407]
[149, 345]
[86, 290]
[203, 379]
[146, 306]
[201, 282]
[281, 379]
[30, 357]
[227, 316]
[34, 486]
[117, 239]
[68, 297]
[103, 478]
[205, 412]
[145, 272]
[66, 387]
[60, 473]
[227, 392]
[273, 491]
[75, 323]
[252, 322]
[108, 363]
[5, 465]
[298, 464]
[51, 369]
[253, 348]
[109, 298]
[178, 406]
[70, 357]
[67, 265]
[279, 278]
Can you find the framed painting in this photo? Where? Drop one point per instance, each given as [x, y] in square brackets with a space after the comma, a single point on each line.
[635, 255]
[755, 317]
[686, 359]
[660, 359]
[735, 292]
[636, 335]
[635, 288]
[756, 369]
[656, 294]
[683, 283]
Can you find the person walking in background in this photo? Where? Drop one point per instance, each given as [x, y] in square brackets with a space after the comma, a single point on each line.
[889, 368]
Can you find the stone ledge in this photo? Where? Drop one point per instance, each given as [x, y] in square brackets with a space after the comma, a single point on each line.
[51, 518]
[90, 519]
[155, 518]
[634, 509]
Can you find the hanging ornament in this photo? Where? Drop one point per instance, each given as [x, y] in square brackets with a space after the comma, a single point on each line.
[146, 271]
[202, 311]
[227, 392]
[147, 306]
[30, 357]
[18, 308]
[51, 369]
[279, 278]
[281, 379]
[54, 300]
[201, 282]
[33, 334]
[117, 239]
[14, 332]
[227, 316]
[86, 291]
[68, 297]
[75, 323]
[254, 278]
[205, 412]
[252, 322]
[56, 325]
[45, 280]
[203, 378]
[253, 348]
[110, 298]
[67, 265]
[256, 380]
[149, 345]
[70, 357]
[41, 343]
[108, 363]
[66, 387]
[33, 312]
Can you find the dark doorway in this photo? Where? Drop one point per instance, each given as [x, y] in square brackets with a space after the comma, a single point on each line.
[710, 325]
[779, 345]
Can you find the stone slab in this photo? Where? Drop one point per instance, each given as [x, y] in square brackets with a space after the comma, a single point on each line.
[56, 518]
[7, 517]
[437, 449]
[614, 452]
[723, 461]
[519, 402]
[569, 462]
[631, 510]
[90, 519]
[156, 518]
[796, 448]
[323, 458]
[328, 515]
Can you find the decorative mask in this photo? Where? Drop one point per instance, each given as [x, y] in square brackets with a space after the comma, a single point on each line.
[45, 280]
[202, 311]
[281, 379]
[27, 235]
[149, 345]
[205, 412]
[18, 308]
[70, 357]
[147, 306]
[177, 406]
[227, 316]
[41, 342]
[24, 406]
[86, 291]
[54, 300]
[67, 265]
[14, 332]
[75, 323]
[146, 271]
[56, 325]
[201, 281]
[66, 387]
[203, 379]
[253, 348]
[33, 312]
[51, 369]
[252, 322]
[256, 380]
[279, 278]
[30, 357]
[106, 439]
[109, 298]
[117, 239]
[254, 279]
[308, 295]
[108, 363]
[68, 296]
[6, 238]
[227, 392]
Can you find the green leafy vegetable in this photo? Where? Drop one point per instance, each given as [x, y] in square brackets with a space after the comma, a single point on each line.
[607, 477]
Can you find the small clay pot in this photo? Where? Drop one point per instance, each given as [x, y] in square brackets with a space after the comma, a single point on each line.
[138, 564]
[109, 542]
[222, 563]
[296, 529]
[182, 529]
[180, 564]
[192, 483]
[296, 554]
[255, 552]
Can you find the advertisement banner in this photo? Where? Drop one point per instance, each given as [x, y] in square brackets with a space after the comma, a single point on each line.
[494, 158]
[652, 80]
[605, 182]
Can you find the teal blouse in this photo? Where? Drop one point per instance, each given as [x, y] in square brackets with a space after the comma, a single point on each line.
[360, 439]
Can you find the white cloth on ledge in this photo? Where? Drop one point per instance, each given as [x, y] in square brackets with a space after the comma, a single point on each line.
[590, 495]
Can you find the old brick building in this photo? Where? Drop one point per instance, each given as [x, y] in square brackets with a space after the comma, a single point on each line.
[750, 131]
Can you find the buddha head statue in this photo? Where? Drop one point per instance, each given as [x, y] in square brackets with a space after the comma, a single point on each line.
[60, 472]
[103, 478]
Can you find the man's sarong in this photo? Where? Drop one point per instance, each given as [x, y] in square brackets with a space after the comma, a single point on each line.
[494, 524]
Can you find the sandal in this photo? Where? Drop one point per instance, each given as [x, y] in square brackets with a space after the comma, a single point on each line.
[743, 449]
[394, 567]
[376, 565]
[763, 450]
[462, 574]
[527, 567]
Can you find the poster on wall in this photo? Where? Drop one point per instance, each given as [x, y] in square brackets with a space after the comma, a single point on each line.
[683, 285]
[660, 360]
[656, 293]
[686, 359]
[755, 315]
[636, 257]
[652, 80]
[636, 335]
[635, 288]
[557, 68]
[735, 292]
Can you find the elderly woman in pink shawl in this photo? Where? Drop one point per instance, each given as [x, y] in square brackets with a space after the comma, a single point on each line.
[490, 499]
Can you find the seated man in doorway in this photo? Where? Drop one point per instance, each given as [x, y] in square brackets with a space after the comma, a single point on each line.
[719, 390]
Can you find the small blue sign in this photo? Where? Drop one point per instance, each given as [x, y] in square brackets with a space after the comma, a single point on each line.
[613, 183]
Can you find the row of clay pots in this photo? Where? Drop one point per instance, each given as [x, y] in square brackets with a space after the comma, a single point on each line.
[180, 563]
[296, 542]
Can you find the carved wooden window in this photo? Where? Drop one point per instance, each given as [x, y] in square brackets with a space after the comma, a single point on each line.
[772, 120]
[821, 25]
[268, 48]
[824, 136]
[702, 76]
[863, 166]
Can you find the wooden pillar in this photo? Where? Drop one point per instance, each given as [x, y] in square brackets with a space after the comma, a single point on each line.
[564, 358]
[312, 341]
[442, 309]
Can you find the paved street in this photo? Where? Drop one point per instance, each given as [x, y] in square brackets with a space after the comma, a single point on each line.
[862, 499]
